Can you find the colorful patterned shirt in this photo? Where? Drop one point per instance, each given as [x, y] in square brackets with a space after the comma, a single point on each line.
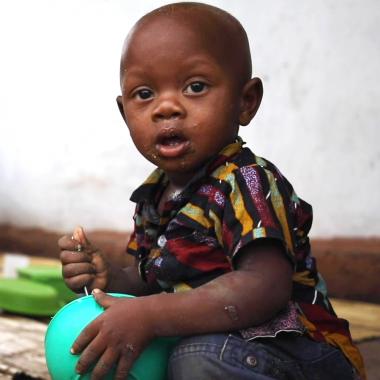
[235, 198]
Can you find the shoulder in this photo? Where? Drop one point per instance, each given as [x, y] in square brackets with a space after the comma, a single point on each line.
[247, 169]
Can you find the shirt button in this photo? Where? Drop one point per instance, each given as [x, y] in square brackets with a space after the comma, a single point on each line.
[251, 360]
[161, 241]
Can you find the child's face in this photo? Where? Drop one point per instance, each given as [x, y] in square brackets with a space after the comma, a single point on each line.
[181, 103]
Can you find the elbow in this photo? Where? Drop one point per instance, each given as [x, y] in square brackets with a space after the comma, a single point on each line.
[281, 294]
[285, 294]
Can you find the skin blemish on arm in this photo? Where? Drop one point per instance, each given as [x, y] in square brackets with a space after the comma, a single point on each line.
[232, 312]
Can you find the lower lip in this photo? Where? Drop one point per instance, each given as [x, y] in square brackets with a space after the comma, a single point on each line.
[172, 151]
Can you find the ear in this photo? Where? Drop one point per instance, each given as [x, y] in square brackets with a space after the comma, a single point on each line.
[250, 100]
[119, 101]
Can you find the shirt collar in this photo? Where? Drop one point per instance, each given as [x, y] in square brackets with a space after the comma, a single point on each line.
[156, 182]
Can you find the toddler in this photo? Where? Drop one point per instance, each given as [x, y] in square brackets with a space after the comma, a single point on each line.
[221, 248]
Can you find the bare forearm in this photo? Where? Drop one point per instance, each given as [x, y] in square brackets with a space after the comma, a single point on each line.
[204, 310]
[236, 300]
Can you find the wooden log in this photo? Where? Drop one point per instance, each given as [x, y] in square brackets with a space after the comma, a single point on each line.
[22, 348]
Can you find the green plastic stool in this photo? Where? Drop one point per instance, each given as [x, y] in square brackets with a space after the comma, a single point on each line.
[49, 275]
[27, 297]
[65, 327]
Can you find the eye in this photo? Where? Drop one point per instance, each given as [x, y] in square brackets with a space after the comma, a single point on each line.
[196, 88]
[143, 93]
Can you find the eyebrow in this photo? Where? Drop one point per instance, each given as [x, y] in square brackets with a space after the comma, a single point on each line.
[136, 73]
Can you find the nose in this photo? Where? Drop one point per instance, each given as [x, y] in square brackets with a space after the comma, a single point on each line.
[168, 108]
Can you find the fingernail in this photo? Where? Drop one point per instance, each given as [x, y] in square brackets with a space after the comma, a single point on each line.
[72, 351]
[96, 291]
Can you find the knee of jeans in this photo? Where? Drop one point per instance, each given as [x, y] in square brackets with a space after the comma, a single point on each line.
[195, 367]
[195, 361]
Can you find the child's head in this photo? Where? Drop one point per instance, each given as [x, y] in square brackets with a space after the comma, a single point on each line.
[186, 86]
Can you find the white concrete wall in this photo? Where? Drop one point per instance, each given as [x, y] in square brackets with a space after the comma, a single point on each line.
[66, 158]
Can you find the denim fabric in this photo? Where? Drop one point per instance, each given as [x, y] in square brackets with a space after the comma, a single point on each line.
[227, 356]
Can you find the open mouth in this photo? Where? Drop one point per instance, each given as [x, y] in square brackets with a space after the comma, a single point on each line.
[171, 140]
[171, 144]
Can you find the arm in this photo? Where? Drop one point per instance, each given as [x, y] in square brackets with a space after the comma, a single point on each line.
[258, 288]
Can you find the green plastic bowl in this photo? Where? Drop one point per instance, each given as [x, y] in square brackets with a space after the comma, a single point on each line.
[65, 327]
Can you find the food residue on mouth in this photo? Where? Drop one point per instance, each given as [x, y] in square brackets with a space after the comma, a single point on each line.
[171, 140]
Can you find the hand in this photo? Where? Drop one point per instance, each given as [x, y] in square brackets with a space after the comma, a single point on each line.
[83, 265]
[116, 337]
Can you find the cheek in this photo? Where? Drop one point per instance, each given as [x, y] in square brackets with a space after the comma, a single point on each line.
[136, 115]
[144, 143]
[140, 139]
[137, 126]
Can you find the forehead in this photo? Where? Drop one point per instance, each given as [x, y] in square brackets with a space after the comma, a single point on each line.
[173, 36]
[189, 33]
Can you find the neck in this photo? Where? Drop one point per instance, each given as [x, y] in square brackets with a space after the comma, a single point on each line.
[171, 192]
[179, 181]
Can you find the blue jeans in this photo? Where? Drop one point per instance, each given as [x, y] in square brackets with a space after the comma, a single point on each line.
[230, 357]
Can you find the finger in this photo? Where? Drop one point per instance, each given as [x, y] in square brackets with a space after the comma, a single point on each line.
[78, 283]
[81, 241]
[105, 364]
[100, 263]
[76, 269]
[103, 299]
[80, 236]
[124, 366]
[87, 335]
[90, 355]
[127, 358]
[69, 257]
[66, 243]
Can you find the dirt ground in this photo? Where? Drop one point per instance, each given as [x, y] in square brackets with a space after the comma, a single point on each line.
[371, 354]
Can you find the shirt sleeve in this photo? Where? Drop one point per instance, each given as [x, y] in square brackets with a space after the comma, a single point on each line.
[261, 204]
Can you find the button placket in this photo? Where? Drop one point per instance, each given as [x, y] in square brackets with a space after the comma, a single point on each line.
[161, 241]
